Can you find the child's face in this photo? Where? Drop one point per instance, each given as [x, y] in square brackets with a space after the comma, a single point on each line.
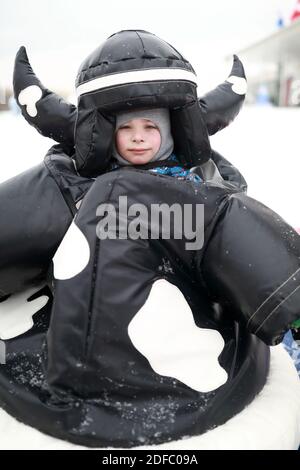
[138, 140]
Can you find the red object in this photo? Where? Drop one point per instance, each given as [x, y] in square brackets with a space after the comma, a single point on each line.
[296, 12]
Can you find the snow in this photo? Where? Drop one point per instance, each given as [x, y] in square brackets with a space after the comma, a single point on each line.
[263, 142]
[21, 146]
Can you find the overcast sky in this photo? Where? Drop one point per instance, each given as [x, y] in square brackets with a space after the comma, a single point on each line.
[58, 34]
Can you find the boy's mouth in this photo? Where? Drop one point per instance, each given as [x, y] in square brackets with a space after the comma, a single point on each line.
[138, 150]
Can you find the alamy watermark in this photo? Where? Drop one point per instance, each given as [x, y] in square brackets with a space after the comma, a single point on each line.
[178, 221]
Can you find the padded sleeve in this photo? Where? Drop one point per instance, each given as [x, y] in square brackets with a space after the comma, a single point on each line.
[36, 209]
[252, 265]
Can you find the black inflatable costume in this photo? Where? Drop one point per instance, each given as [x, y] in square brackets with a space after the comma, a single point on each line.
[79, 373]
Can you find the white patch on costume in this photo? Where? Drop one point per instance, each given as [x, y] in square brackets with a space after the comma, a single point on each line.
[239, 84]
[29, 97]
[72, 255]
[164, 331]
[16, 312]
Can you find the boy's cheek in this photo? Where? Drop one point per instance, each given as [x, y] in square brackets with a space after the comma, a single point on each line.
[120, 143]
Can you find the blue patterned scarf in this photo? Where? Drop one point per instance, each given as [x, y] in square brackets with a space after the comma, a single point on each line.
[178, 171]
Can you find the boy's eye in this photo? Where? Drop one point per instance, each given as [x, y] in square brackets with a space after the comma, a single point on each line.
[149, 126]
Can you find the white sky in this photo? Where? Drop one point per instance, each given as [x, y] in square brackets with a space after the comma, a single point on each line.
[59, 34]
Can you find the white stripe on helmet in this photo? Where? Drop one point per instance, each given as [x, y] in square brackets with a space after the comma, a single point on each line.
[136, 76]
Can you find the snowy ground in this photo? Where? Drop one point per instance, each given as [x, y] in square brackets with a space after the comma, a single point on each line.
[263, 142]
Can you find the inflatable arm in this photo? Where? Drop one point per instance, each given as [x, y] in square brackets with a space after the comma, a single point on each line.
[252, 266]
[221, 105]
[43, 109]
[36, 209]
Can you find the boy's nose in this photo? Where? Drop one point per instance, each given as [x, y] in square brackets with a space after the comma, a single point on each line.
[137, 138]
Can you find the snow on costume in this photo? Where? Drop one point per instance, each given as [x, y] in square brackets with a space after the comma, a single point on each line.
[148, 341]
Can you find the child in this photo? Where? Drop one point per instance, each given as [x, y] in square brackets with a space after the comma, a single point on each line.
[143, 138]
